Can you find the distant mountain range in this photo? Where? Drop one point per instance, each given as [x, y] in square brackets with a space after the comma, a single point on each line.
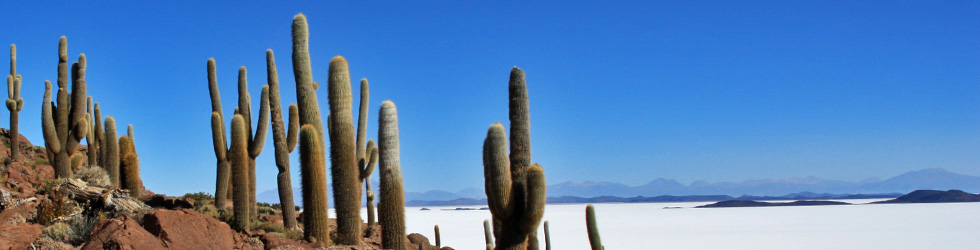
[936, 178]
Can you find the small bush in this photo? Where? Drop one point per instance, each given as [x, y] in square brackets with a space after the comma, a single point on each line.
[267, 211]
[60, 232]
[49, 210]
[40, 161]
[94, 176]
[200, 198]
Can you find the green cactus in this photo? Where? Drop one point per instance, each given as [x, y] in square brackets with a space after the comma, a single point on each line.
[594, 239]
[15, 104]
[372, 153]
[238, 155]
[93, 146]
[515, 189]
[343, 156]
[438, 240]
[65, 124]
[99, 134]
[391, 209]
[311, 151]
[255, 143]
[129, 168]
[283, 145]
[547, 236]
[110, 152]
[76, 161]
[488, 233]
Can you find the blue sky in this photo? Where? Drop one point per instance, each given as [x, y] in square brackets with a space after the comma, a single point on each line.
[619, 91]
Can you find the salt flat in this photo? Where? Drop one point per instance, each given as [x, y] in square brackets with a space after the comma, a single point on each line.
[649, 226]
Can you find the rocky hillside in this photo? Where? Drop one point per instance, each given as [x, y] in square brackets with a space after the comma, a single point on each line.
[40, 212]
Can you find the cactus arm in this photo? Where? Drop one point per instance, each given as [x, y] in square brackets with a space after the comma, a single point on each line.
[213, 87]
[372, 160]
[245, 101]
[279, 140]
[47, 122]
[217, 124]
[534, 206]
[497, 172]
[592, 228]
[258, 141]
[13, 61]
[130, 133]
[362, 118]
[291, 135]
[61, 111]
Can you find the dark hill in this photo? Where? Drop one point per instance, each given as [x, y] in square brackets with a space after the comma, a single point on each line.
[934, 196]
[747, 203]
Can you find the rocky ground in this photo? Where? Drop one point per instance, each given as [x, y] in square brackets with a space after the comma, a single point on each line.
[40, 212]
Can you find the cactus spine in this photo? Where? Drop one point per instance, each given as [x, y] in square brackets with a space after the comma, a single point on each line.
[283, 145]
[110, 151]
[239, 162]
[515, 190]
[129, 168]
[67, 120]
[255, 143]
[312, 153]
[343, 158]
[594, 239]
[15, 104]
[391, 209]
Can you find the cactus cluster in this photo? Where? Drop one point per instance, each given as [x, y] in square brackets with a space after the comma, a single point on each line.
[66, 124]
[14, 104]
[254, 143]
[515, 189]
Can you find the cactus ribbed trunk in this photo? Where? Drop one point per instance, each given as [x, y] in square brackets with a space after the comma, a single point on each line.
[66, 124]
[515, 190]
[110, 151]
[129, 167]
[438, 238]
[369, 203]
[281, 142]
[93, 145]
[311, 142]
[222, 191]
[99, 135]
[238, 154]
[14, 104]
[391, 209]
[343, 159]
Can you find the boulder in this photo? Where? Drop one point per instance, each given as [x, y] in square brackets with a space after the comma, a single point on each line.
[121, 234]
[18, 236]
[187, 229]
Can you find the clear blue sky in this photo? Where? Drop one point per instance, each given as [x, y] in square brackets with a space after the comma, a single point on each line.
[620, 91]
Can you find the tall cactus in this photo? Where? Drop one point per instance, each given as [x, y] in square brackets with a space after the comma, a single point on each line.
[129, 168]
[67, 120]
[438, 238]
[391, 209]
[15, 104]
[593, 229]
[255, 143]
[110, 151]
[283, 144]
[311, 151]
[93, 144]
[239, 162]
[366, 170]
[343, 158]
[515, 190]
[366, 154]
[99, 134]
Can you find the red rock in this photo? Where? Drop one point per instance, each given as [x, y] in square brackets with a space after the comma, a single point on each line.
[186, 229]
[18, 236]
[121, 234]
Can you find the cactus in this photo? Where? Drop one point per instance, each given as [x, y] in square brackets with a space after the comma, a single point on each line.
[93, 144]
[99, 134]
[110, 151]
[15, 104]
[311, 151]
[255, 143]
[372, 153]
[515, 190]
[488, 233]
[283, 145]
[594, 239]
[76, 161]
[438, 240]
[547, 236]
[238, 155]
[129, 168]
[391, 209]
[65, 124]
[343, 156]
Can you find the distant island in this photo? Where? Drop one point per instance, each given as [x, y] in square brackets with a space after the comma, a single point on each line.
[662, 198]
[918, 196]
[744, 203]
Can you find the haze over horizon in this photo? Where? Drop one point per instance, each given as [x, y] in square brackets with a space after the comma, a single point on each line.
[624, 92]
